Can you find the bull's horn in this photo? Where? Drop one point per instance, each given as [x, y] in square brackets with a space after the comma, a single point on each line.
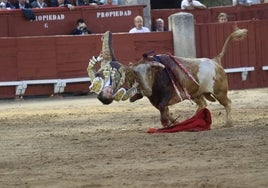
[156, 64]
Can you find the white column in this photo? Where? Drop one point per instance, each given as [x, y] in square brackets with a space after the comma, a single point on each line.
[182, 26]
[234, 2]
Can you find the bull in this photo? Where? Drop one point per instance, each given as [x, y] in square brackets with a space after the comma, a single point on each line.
[166, 80]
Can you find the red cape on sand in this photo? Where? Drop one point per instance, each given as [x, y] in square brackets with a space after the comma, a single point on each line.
[201, 121]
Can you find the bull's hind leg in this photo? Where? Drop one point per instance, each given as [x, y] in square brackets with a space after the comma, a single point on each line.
[226, 102]
[201, 102]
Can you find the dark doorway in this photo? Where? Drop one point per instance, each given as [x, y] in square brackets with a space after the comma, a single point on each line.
[165, 4]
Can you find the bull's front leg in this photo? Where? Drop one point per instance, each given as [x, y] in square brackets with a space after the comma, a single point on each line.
[166, 118]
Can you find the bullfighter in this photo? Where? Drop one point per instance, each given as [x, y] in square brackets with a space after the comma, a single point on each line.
[109, 80]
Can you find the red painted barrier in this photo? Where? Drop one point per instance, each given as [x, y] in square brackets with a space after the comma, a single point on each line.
[61, 57]
[250, 52]
[61, 21]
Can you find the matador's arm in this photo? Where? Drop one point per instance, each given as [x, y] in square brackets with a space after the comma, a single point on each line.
[91, 68]
[96, 82]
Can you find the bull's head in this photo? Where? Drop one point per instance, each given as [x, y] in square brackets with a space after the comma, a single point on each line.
[145, 72]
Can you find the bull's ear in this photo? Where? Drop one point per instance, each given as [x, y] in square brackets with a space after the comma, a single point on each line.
[145, 55]
[157, 64]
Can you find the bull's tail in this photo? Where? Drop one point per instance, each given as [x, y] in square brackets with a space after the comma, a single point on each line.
[238, 34]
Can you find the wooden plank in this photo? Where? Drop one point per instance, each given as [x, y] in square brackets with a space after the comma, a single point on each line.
[262, 55]
[73, 54]
[157, 42]
[123, 43]
[204, 37]
[212, 42]
[4, 22]
[36, 58]
[7, 92]
[39, 90]
[197, 40]
[8, 59]
[252, 57]
[77, 88]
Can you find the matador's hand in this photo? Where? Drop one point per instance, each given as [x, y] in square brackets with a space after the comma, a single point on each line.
[93, 61]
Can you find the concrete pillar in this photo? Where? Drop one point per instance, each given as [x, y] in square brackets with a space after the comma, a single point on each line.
[234, 2]
[182, 26]
[146, 10]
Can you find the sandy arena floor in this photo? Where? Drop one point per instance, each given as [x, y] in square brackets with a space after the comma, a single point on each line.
[76, 142]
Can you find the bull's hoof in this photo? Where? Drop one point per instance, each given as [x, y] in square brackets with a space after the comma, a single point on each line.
[166, 126]
[228, 124]
[165, 123]
[137, 96]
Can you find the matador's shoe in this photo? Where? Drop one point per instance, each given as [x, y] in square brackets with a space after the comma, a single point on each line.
[137, 96]
[96, 85]
[119, 94]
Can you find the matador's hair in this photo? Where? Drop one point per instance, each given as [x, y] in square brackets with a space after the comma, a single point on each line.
[103, 99]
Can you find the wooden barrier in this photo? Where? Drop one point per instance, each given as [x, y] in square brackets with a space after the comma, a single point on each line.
[43, 65]
[210, 15]
[61, 21]
[250, 52]
[61, 61]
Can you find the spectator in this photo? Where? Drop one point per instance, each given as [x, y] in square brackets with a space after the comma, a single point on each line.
[52, 3]
[159, 25]
[5, 4]
[248, 2]
[107, 2]
[65, 3]
[110, 2]
[21, 4]
[254, 1]
[83, 2]
[222, 17]
[81, 28]
[139, 28]
[97, 2]
[39, 4]
[88, 2]
[192, 4]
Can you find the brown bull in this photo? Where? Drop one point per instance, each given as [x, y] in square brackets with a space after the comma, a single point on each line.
[167, 80]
